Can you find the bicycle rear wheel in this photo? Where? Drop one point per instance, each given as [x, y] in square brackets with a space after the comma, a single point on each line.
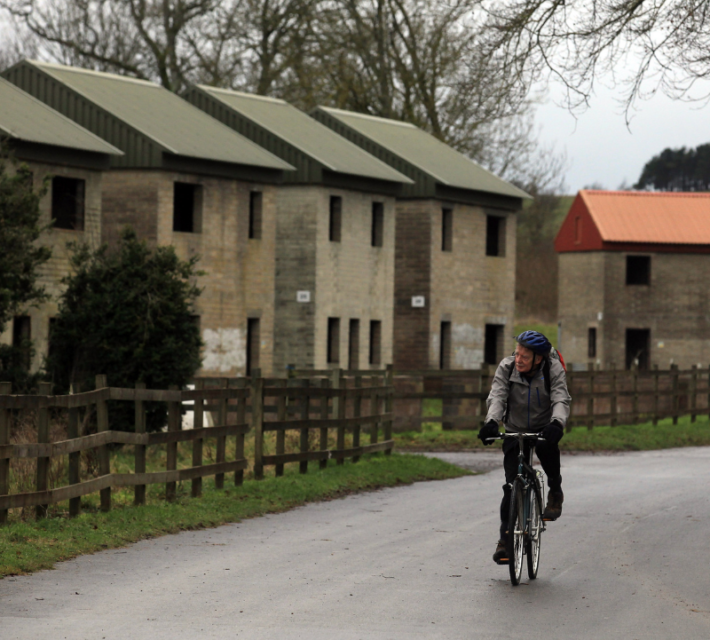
[532, 547]
[516, 534]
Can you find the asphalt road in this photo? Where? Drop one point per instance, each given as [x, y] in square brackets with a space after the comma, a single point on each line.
[629, 559]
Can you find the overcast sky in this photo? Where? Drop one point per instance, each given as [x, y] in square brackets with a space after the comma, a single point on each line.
[600, 147]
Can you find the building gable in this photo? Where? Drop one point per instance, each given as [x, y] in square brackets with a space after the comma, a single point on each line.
[636, 221]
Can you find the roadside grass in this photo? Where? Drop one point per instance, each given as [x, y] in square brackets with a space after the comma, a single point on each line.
[641, 437]
[27, 545]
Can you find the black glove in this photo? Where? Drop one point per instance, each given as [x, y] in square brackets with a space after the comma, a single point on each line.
[553, 432]
[488, 430]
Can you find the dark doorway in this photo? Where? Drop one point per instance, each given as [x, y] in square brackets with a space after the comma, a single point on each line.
[493, 348]
[253, 344]
[638, 347]
[354, 344]
[445, 346]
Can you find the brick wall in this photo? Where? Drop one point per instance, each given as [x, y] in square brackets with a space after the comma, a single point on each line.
[463, 286]
[675, 307]
[581, 300]
[412, 278]
[52, 272]
[239, 272]
[348, 280]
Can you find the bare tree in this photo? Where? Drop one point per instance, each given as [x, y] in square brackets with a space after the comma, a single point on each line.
[663, 43]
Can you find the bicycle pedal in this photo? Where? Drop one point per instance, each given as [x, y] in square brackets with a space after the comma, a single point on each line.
[503, 561]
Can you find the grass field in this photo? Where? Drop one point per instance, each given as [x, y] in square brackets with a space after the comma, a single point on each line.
[639, 437]
[27, 546]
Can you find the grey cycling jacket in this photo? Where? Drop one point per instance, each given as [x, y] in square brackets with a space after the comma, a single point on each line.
[529, 406]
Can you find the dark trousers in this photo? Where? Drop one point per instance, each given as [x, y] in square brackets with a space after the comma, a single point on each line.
[549, 457]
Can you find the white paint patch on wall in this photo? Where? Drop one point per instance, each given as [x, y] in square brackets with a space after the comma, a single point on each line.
[225, 349]
[466, 334]
[467, 341]
[468, 358]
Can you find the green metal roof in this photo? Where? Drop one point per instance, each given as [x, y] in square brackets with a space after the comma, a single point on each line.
[25, 118]
[313, 140]
[162, 117]
[403, 142]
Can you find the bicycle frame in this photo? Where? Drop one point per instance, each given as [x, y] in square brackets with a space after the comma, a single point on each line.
[531, 486]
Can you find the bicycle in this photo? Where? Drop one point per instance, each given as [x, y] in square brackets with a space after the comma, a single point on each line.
[525, 523]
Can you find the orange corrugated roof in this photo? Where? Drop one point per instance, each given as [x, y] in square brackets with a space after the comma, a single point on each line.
[650, 217]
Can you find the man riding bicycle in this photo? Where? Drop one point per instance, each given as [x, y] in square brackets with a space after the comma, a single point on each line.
[529, 394]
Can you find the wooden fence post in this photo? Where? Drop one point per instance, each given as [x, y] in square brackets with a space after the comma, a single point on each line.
[74, 458]
[676, 398]
[635, 388]
[102, 425]
[693, 392]
[335, 382]
[389, 382]
[172, 447]
[241, 419]
[139, 451]
[655, 394]
[43, 389]
[340, 414]
[5, 390]
[221, 440]
[590, 399]
[374, 411]
[612, 381]
[324, 408]
[305, 415]
[357, 413]
[198, 422]
[257, 423]
[281, 433]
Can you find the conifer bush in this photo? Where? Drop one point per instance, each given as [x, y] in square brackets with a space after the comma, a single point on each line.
[127, 312]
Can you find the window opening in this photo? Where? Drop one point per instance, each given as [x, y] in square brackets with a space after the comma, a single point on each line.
[378, 224]
[592, 342]
[375, 342]
[68, 203]
[447, 229]
[336, 218]
[638, 270]
[255, 214]
[495, 236]
[187, 202]
[333, 340]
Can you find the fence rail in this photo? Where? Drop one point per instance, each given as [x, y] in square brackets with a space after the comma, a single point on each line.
[262, 406]
[599, 397]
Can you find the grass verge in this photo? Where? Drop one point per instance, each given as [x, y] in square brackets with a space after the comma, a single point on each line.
[641, 437]
[30, 546]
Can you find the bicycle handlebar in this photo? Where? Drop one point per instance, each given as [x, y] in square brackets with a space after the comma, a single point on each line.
[525, 436]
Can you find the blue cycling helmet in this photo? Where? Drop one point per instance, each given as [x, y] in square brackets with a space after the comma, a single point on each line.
[534, 341]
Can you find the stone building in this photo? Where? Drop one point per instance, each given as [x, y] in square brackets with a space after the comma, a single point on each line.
[634, 272]
[335, 235]
[184, 180]
[73, 161]
[455, 246]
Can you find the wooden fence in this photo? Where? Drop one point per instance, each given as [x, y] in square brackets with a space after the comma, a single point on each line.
[599, 397]
[329, 398]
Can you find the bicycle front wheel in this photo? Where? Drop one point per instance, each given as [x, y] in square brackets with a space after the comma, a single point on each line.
[516, 533]
[532, 547]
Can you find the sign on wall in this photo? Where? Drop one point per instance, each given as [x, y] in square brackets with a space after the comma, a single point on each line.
[303, 296]
[418, 301]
